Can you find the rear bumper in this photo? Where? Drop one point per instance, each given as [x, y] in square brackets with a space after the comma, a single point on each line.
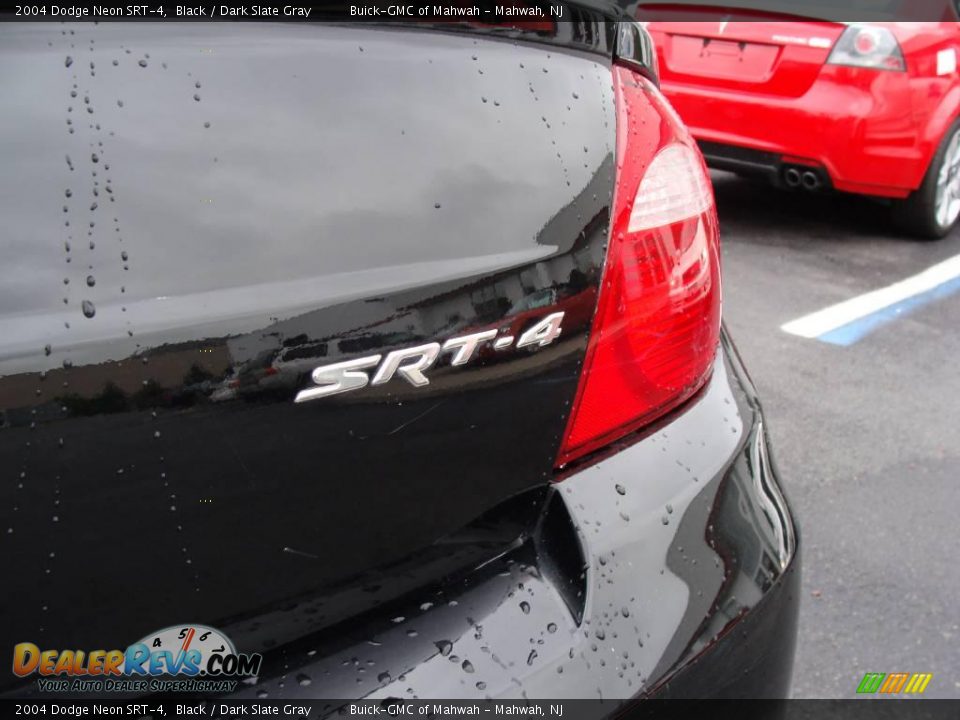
[678, 578]
[772, 167]
[858, 126]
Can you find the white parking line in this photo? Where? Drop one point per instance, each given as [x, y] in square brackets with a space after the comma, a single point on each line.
[848, 321]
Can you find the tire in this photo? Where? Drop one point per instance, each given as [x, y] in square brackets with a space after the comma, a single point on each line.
[932, 210]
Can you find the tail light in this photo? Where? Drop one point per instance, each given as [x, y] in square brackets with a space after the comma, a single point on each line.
[868, 46]
[657, 325]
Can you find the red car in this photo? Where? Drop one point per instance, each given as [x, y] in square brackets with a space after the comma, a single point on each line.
[868, 108]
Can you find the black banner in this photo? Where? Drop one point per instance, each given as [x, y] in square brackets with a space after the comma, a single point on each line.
[566, 709]
[481, 11]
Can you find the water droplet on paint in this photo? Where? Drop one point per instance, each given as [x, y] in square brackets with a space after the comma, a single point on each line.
[444, 646]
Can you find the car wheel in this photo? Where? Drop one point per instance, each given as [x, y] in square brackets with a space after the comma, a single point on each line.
[932, 210]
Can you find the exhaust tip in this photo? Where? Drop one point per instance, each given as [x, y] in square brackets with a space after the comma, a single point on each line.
[791, 176]
[810, 180]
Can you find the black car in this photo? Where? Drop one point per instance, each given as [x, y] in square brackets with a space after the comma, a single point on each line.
[391, 352]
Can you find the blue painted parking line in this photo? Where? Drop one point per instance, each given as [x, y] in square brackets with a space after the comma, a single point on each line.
[851, 320]
[850, 333]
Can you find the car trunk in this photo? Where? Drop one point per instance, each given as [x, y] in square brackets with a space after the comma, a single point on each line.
[734, 51]
[197, 216]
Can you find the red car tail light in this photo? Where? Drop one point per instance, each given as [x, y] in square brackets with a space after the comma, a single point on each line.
[868, 46]
[657, 324]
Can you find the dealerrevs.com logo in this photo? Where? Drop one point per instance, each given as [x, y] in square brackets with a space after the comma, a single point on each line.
[180, 658]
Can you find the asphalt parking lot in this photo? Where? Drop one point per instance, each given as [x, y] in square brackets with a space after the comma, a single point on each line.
[866, 435]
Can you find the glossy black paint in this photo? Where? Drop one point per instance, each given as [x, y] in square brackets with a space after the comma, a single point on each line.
[634, 47]
[689, 562]
[357, 190]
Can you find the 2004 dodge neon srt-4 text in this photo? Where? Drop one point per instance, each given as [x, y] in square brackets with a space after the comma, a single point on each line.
[392, 352]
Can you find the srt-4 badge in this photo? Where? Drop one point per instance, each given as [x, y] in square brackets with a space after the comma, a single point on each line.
[412, 363]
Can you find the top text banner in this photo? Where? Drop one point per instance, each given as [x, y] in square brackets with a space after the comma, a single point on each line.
[527, 14]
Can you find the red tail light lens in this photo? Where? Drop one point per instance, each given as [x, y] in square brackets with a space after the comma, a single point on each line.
[657, 325]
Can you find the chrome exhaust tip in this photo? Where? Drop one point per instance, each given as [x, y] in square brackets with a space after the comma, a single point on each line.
[810, 180]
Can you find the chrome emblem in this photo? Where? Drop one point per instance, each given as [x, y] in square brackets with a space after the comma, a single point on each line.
[412, 363]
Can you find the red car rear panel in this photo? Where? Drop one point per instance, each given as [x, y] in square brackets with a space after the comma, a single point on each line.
[779, 59]
[767, 86]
